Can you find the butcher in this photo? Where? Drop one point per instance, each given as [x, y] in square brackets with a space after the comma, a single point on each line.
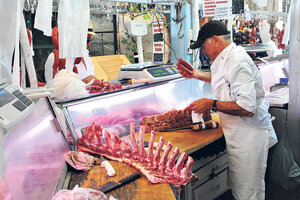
[83, 66]
[239, 98]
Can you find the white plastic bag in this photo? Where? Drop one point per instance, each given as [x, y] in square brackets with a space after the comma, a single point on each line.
[67, 86]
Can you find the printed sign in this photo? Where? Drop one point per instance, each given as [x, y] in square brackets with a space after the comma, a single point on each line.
[219, 9]
[158, 42]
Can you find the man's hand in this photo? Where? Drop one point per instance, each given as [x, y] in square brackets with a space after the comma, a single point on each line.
[201, 105]
[187, 71]
[89, 78]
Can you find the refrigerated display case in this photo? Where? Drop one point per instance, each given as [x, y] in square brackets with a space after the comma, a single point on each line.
[275, 76]
[114, 111]
[34, 164]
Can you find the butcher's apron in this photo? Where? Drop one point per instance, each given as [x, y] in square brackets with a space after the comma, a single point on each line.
[247, 147]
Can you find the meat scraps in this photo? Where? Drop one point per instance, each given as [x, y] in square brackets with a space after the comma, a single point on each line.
[157, 166]
[170, 120]
[100, 86]
[79, 193]
[79, 160]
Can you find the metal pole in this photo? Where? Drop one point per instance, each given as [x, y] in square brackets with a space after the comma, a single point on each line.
[140, 48]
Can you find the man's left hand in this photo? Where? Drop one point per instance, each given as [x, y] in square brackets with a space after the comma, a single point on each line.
[201, 105]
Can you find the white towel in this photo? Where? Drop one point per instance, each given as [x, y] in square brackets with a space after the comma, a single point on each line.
[73, 22]
[10, 13]
[43, 17]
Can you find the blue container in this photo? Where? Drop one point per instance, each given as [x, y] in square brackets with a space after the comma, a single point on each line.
[283, 80]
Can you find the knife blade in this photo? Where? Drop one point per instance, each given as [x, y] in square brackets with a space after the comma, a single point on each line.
[109, 186]
[176, 129]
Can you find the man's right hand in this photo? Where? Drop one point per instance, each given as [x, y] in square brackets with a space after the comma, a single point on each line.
[185, 69]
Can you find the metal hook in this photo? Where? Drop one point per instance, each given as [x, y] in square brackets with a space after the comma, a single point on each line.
[179, 34]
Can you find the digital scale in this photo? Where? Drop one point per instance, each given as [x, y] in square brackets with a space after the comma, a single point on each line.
[14, 105]
[148, 70]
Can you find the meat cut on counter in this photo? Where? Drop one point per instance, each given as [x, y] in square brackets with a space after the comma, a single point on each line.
[100, 86]
[170, 120]
[79, 160]
[156, 165]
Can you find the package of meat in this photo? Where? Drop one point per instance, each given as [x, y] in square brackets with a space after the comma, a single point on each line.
[100, 86]
[79, 193]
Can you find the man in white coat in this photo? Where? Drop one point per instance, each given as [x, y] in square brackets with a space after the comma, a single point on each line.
[84, 65]
[239, 98]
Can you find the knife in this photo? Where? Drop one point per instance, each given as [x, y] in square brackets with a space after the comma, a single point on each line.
[107, 187]
[176, 129]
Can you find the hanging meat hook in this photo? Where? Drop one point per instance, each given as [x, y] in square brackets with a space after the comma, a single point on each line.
[179, 19]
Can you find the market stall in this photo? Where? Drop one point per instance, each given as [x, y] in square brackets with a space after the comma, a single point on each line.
[128, 118]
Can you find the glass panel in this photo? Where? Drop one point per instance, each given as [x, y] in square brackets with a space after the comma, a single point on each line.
[35, 156]
[4, 192]
[179, 94]
[102, 22]
[116, 112]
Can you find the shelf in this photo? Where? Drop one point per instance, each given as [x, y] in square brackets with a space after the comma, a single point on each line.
[257, 47]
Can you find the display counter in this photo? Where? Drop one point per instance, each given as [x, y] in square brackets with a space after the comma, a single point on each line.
[193, 143]
[34, 167]
[114, 111]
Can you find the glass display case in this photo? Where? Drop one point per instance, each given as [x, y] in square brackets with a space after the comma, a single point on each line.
[34, 153]
[115, 111]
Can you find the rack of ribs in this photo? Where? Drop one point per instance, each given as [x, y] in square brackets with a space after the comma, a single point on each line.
[157, 166]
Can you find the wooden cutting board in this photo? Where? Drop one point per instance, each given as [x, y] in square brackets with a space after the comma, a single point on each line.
[188, 140]
[140, 189]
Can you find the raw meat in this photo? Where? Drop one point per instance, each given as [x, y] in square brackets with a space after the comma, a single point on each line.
[170, 120]
[156, 168]
[79, 193]
[79, 160]
[100, 86]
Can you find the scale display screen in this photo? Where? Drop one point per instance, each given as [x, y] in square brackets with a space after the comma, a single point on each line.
[162, 71]
[5, 97]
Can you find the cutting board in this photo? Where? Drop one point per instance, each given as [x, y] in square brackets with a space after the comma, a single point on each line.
[189, 140]
[140, 189]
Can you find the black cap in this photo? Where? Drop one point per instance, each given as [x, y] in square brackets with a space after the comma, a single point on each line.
[211, 28]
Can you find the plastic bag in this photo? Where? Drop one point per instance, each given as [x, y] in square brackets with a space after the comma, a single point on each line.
[285, 171]
[67, 86]
[79, 193]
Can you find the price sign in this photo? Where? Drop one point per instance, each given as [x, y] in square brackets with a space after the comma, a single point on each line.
[220, 9]
[158, 42]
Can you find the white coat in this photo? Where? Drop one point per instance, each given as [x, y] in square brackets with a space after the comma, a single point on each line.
[236, 78]
[84, 70]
